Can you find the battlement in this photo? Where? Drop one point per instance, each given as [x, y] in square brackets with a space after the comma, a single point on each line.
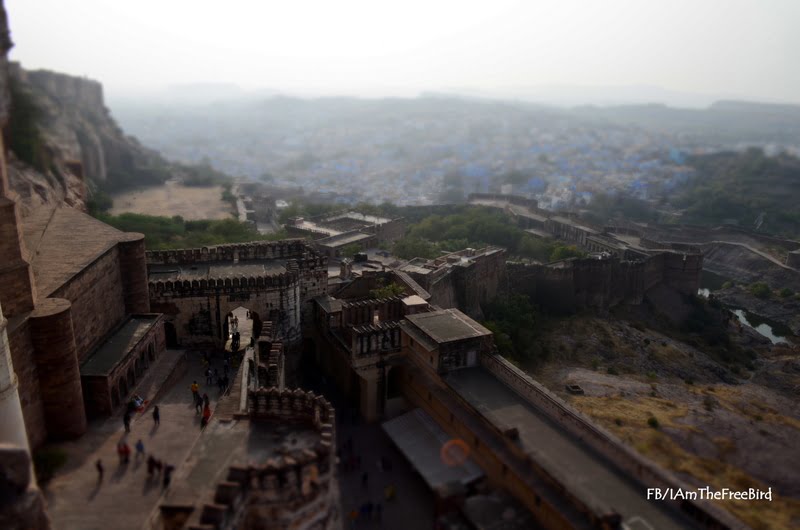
[238, 284]
[293, 489]
[296, 249]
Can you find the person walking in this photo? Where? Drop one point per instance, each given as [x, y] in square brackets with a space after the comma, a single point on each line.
[99, 466]
[126, 420]
[156, 416]
[195, 389]
[206, 417]
[139, 449]
[209, 381]
[168, 469]
[198, 404]
[206, 401]
[151, 465]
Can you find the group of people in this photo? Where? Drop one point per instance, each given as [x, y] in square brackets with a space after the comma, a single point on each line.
[349, 461]
[221, 380]
[155, 468]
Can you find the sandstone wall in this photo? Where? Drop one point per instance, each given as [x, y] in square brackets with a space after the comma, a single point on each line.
[24, 359]
[603, 442]
[98, 302]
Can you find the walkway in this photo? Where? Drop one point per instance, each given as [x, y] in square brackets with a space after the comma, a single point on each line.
[124, 498]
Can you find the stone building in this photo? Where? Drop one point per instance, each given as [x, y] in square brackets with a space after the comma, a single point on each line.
[332, 233]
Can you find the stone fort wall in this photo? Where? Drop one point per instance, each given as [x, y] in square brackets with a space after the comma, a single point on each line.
[601, 284]
[198, 308]
[297, 490]
[603, 442]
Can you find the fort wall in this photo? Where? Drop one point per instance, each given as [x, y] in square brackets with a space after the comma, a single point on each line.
[98, 302]
[256, 250]
[133, 267]
[601, 284]
[603, 442]
[297, 490]
[58, 368]
[23, 358]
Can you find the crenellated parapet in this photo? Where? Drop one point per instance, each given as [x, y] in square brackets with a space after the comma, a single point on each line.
[202, 286]
[294, 489]
[306, 256]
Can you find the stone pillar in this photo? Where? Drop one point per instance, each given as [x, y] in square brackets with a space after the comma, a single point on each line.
[57, 364]
[133, 268]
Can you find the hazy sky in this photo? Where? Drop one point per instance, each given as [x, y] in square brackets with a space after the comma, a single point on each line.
[373, 47]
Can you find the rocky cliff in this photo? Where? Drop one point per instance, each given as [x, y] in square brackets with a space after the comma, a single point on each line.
[63, 143]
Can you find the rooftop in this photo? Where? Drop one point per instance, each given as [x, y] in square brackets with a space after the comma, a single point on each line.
[344, 239]
[588, 476]
[103, 360]
[421, 439]
[447, 325]
[63, 241]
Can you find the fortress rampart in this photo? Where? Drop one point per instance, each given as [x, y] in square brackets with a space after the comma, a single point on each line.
[294, 490]
[603, 283]
[256, 250]
[604, 443]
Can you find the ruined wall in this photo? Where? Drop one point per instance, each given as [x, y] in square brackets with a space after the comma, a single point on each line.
[603, 442]
[98, 302]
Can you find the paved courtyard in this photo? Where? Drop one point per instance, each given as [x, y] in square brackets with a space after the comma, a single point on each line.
[77, 500]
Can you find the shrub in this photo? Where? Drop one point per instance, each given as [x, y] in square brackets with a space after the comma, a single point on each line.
[612, 371]
[785, 292]
[727, 285]
[652, 421]
[760, 290]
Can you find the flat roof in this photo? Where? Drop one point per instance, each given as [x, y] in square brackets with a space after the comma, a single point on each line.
[104, 358]
[447, 325]
[221, 269]
[587, 475]
[420, 439]
[343, 239]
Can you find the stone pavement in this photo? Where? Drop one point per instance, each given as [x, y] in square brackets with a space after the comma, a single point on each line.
[124, 498]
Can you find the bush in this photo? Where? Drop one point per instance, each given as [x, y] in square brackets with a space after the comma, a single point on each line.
[727, 285]
[652, 421]
[47, 461]
[99, 202]
[785, 292]
[760, 290]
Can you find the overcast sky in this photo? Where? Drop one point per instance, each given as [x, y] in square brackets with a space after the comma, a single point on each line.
[734, 48]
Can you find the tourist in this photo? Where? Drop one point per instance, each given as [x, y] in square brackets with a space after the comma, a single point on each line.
[138, 401]
[206, 401]
[156, 415]
[209, 381]
[99, 466]
[198, 403]
[195, 389]
[139, 449]
[168, 469]
[206, 417]
[126, 420]
[151, 465]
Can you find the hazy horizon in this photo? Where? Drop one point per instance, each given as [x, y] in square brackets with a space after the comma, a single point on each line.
[679, 53]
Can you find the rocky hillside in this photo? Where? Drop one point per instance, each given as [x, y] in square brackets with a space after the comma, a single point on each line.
[64, 145]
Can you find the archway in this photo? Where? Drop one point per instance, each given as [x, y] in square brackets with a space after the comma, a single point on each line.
[131, 378]
[143, 363]
[170, 335]
[123, 389]
[137, 368]
[151, 352]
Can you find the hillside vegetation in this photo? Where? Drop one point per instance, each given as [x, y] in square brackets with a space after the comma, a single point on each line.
[739, 187]
[175, 232]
